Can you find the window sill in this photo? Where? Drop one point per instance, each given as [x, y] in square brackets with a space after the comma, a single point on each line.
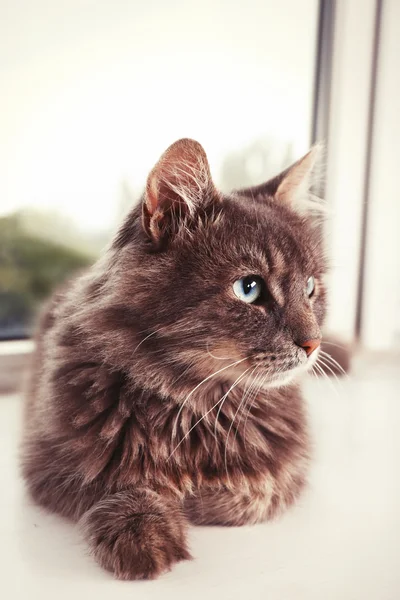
[14, 358]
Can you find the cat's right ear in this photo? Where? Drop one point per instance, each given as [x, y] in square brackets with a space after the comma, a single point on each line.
[177, 188]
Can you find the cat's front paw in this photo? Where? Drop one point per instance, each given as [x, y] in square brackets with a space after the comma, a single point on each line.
[136, 535]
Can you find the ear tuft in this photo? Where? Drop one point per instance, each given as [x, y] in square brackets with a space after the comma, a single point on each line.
[177, 187]
[297, 186]
[299, 180]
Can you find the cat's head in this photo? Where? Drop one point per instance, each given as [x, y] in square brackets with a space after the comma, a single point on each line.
[217, 280]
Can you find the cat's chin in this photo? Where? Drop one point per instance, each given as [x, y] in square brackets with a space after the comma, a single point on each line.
[292, 375]
[283, 379]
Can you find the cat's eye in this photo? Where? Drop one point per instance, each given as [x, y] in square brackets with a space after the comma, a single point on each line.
[248, 289]
[310, 286]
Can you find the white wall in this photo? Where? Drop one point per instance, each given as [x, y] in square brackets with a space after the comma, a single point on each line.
[352, 61]
[381, 315]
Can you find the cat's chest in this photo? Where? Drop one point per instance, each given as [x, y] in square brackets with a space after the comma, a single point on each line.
[185, 449]
[231, 447]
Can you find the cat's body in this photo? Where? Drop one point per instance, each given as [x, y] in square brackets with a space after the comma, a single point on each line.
[157, 397]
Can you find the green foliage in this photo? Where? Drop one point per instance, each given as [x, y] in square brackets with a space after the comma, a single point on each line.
[30, 268]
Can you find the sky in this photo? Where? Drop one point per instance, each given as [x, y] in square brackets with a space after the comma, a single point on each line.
[92, 92]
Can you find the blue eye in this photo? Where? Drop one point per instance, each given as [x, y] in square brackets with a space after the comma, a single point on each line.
[248, 289]
[310, 286]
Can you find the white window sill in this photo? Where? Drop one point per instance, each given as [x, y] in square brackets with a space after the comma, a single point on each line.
[14, 358]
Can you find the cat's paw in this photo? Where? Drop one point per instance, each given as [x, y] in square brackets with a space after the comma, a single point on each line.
[136, 535]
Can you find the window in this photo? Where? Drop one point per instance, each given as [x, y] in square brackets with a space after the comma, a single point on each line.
[97, 91]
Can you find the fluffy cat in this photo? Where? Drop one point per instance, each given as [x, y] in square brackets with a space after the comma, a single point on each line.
[164, 388]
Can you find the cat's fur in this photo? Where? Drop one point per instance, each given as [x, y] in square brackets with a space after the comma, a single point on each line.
[157, 397]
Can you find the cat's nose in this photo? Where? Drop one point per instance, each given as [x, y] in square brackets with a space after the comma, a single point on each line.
[310, 345]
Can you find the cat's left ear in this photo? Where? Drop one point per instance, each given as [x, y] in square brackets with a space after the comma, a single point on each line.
[178, 187]
[294, 186]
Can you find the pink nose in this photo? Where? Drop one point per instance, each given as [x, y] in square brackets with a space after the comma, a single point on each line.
[310, 345]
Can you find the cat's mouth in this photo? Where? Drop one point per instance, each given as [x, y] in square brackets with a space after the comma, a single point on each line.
[281, 373]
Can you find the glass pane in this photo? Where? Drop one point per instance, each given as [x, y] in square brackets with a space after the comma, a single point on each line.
[93, 92]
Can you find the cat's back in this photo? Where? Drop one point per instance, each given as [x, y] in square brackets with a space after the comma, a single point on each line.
[44, 346]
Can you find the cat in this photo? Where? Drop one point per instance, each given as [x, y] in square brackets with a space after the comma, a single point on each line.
[164, 386]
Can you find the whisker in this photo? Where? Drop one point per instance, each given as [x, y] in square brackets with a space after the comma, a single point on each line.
[236, 382]
[229, 431]
[201, 418]
[326, 366]
[321, 372]
[147, 337]
[197, 387]
[217, 357]
[333, 362]
[326, 343]
[313, 372]
[251, 402]
[250, 395]
[190, 365]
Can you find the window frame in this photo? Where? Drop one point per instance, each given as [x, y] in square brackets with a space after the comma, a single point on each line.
[14, 354]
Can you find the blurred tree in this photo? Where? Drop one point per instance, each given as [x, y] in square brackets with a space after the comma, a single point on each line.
[30, 268]
[57, 227]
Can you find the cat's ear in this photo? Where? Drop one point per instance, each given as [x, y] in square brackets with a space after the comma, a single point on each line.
[294, 186]
[177, 188]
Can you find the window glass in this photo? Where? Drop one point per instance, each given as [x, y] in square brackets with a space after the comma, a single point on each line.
[93, 93]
